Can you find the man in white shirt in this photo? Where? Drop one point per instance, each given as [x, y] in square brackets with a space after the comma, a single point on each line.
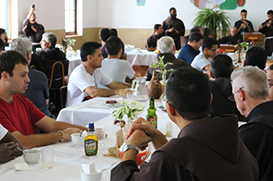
[202, 61]
[117, 69]
[8, 146]
[88, 79]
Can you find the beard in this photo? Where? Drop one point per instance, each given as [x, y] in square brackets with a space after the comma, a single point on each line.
[173, 16]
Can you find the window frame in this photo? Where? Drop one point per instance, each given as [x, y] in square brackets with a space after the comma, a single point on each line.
[75, 20]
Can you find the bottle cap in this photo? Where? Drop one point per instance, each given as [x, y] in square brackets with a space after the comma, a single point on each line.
[91, 126]
[152, 98]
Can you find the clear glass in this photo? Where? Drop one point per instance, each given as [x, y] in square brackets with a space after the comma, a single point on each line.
[47, 157]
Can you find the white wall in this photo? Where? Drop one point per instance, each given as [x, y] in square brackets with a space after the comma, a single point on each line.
[126, 14]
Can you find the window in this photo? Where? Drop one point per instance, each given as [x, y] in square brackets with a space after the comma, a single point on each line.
[71, 17]
[5, 13]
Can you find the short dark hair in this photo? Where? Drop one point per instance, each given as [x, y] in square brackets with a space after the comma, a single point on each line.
[195, 29]
[88, 48]
[9, 59]
[113, 32]
[256, 56]
[221, 66]
[188, 92]
[207, 32]
[243, 11]
[156, 26]
[104, 34]
[208, 43]
[2, 31]
[1, 44]
[195, 37]
[113, 45]
[172, 8]
[270, 11]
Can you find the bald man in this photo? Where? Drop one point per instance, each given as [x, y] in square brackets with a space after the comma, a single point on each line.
[232, 39]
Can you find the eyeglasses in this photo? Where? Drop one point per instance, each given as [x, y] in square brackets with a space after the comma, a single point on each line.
[231, 98]
[270, 82]
[214, 50]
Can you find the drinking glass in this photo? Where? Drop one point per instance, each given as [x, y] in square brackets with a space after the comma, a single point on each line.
[47, 157]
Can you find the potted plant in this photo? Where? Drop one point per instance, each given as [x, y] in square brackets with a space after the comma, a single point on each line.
[214, 19]
[161, 68]
[68, 43]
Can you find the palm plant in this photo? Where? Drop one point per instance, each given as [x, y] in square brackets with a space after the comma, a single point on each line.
[215, 19]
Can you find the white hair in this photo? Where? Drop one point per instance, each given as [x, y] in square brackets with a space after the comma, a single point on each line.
[166, 44]
[253, 80]
[50, 38]
[22, 45]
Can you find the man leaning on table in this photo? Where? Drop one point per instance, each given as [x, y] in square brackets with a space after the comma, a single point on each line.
[18, 114]
[206, 148]
[88, 79]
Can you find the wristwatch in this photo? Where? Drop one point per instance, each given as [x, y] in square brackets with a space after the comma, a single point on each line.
[126, 147]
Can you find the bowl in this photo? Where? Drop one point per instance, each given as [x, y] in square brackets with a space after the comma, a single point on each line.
[32, 156]
[77, 140]
[91, 177]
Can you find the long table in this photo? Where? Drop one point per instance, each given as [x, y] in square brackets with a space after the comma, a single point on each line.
[68, 158]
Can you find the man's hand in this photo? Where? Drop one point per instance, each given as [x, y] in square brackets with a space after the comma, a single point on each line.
[123, 92]
[171, 29]
[246, 23]
[139, 138]
[31, 10]
[32, 27]
[67, 133]
[8, 151]
[261, 26]
[176, 31]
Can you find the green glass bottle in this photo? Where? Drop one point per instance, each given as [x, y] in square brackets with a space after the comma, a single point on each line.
[151, 116]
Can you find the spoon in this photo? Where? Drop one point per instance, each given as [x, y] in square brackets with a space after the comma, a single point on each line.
[81, 133]
[20, 149]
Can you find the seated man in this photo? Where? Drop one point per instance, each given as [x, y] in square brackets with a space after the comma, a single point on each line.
[202, 150]
[113, 67]
[114, 32]
[3, 36]
[18, 114]
[37, 92]
[50, 53]
[8, 146]
[104, 34]
[250, 91]
[232, 39]
[267, 29]
[243, 25]
[1, 45]
[151, 43]
[88, 78]
[221, 67]
[270, 81]
[166, 47]
[256, 56]
[202, 61]
[191, 49]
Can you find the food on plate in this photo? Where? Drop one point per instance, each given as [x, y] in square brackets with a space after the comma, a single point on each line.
[111, 102]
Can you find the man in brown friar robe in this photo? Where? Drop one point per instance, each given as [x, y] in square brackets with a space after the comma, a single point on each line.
[206, 149]
[267, 28]
[174, 27]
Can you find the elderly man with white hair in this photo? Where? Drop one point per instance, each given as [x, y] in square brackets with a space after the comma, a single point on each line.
[166, 47]
[250, 90]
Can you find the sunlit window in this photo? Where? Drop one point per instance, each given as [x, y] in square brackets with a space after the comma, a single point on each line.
[71, 17]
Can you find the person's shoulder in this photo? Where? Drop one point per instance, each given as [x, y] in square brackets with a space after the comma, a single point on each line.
[37, 73]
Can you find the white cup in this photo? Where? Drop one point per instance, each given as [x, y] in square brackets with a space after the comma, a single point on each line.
[47, 157]
[91, 177]
[77, 140]
[32, 156]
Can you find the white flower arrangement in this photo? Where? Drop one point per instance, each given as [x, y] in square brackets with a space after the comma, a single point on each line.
[132, 110]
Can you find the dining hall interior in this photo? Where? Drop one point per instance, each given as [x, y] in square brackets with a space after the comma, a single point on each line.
[226, 139]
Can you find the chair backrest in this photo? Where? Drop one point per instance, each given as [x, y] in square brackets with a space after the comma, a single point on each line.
[63, 93]
[57, 76]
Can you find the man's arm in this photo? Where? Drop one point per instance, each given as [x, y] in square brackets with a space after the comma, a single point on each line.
[118, 85]
[51, 127]
[96, 92]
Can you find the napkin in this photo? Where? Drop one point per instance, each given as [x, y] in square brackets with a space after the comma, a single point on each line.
[89, 168]
[113, 152]
[21, 166]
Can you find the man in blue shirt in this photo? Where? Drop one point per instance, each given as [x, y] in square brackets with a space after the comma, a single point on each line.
[191, 49]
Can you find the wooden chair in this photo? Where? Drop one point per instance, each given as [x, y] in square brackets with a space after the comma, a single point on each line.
[57, 77]
[63, 93]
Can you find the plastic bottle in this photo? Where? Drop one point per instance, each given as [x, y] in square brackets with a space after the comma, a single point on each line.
[91, 141]
[151, 116]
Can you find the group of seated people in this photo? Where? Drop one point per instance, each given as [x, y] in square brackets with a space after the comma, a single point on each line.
[209, 145]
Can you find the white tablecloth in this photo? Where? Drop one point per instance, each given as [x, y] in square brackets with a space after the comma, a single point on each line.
[74, 61]
[141, 57]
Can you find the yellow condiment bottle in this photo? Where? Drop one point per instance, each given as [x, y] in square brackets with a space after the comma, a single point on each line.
[91, 141]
